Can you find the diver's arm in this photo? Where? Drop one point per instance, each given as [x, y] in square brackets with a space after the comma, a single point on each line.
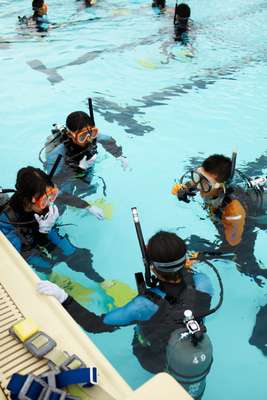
[85, 318]
[110, 145]
[138, 309]
[233, 220]
[70, 199]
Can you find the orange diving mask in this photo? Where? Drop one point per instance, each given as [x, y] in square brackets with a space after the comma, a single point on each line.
[47, 198]
[86, 135]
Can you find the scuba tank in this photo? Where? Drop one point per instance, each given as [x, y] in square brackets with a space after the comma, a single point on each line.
[189, 356]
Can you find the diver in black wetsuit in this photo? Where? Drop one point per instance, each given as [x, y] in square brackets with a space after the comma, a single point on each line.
[182, 23]
[39, 19]
[28, 220]
[235, 207]
[156, 312]
[161, 4]
[77, 143]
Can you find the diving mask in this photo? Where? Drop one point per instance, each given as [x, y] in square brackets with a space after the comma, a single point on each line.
[86, 135]
[202, 182]
[47, 198]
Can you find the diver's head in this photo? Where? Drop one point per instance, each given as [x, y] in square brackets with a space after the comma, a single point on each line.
[167, 254]
[89, 3]
[159, 3]
[212, 176]
[182, 14]
[34, 190]
[80, 128]
[39, 7]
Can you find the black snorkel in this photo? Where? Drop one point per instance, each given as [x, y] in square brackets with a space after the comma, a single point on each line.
[150, 280]
[53, 169]
[91, 111]
[233, 167]
[175, 13]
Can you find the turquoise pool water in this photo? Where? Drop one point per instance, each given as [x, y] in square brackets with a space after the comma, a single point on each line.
[164, 110]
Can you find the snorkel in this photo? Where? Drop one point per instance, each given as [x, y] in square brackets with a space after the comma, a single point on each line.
[233, 167]
[54, 167]
[91, 111]
[150, 280]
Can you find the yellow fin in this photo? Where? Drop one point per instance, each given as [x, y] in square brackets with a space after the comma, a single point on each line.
[120, 12]
[74, 289]
[106, 207]
[119, 291]
[146, 63]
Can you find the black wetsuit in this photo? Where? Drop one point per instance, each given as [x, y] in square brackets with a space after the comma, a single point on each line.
[43, 251]
[165, 306]
[75, 183]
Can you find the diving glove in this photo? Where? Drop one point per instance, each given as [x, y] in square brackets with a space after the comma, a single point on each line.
[51, 289]
[46, 222]
[96, 211]
[182, 192]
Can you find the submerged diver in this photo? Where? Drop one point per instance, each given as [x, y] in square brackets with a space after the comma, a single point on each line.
[235, 211]
[161, 4]
[77, 143]
[157, 313]
[89, 3]
[182, 23]
[39, 19]
[28, 220]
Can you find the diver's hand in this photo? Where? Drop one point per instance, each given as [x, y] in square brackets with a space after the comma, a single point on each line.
[86, 163]
[51, 289]
[97, 211]
[124, 162]
[46, 222]
[182, 192]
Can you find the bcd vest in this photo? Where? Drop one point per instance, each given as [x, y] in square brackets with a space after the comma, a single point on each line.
[179, 297]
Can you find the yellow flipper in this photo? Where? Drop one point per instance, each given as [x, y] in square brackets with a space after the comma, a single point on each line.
[106, 207]
[119, 291]
[146, 63]
[74, 289]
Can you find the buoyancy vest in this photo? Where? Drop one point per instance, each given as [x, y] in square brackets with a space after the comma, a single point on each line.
[25, 226]
[249, 199]
[179, 297]
[75, 153]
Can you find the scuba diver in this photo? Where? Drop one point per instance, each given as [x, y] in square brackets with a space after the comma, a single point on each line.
[169, 333]
[77, 143]
[39, 19]
[182, 23]
[161, 4]
[89, 3]
[182, 27]
[28, 220]
[236, 207]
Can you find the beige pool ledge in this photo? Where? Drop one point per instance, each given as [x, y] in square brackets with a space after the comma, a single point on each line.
[18, 299]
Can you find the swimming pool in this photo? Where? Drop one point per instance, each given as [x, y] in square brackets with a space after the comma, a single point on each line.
[163, 113]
